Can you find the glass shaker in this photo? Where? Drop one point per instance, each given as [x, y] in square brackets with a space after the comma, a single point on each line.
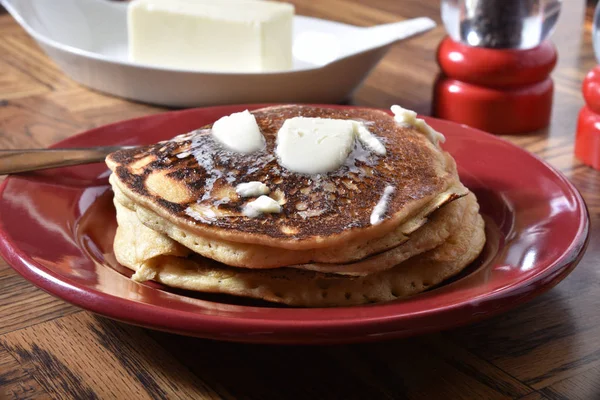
[500, 24]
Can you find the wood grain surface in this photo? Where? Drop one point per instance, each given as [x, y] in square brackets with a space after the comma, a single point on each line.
[546, 349]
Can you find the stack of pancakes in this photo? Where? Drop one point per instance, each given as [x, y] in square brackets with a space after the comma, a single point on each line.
[181, 222]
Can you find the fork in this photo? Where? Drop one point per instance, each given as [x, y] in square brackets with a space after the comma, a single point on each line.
[25, 160]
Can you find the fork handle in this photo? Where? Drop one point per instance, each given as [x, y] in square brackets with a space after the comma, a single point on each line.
[15, 161]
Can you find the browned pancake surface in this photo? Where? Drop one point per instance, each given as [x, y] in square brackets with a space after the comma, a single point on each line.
[194, 172]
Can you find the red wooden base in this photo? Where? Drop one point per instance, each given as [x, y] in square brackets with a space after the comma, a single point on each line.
[500, 111]
[499, 91]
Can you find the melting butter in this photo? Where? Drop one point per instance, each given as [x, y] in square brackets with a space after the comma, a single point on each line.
[239, 132]
[369, 140]
[252, 189]
[203, 214]
[409, 118]
[262, 205]
[382, 205]
[321, 145]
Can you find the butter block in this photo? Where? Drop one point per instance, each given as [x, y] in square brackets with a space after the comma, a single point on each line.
[314, 145]
[209, 35]
[262, 205]
[239, 132]
[321, 145]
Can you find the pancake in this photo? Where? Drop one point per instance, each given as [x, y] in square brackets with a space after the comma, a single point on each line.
[141, 243]
[256, 256]
[189, 183]
[182, 223]
[431, 235]
[292, 286]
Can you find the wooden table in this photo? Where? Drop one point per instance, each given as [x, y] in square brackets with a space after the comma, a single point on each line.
[547, 349]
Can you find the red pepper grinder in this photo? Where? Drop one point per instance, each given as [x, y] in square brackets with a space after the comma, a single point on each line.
[587, 141]
[496, 63]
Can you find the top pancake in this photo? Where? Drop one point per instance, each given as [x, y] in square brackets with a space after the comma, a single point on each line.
[191, 181]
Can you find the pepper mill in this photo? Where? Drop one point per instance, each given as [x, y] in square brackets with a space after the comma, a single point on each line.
[587, 140]
[496, 63]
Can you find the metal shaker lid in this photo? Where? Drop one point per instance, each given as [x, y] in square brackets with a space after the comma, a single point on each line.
[500, 24]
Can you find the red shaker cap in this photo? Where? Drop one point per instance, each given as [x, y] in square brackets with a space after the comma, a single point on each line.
[496, 67]
[587, 141]
[591, 89]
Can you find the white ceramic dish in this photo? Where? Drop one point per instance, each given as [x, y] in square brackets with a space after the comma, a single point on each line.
[88, 40]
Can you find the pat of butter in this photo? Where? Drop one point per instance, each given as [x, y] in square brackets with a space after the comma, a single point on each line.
[223, 36]
[262, 205]
[382, 205]
[251, 189]
[409, 118]
[239, 132]
[320, 145]
[369, 140]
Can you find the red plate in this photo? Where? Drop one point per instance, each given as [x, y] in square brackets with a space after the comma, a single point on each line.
[56, 229]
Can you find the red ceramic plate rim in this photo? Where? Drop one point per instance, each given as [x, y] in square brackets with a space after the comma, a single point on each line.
[328, 329]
